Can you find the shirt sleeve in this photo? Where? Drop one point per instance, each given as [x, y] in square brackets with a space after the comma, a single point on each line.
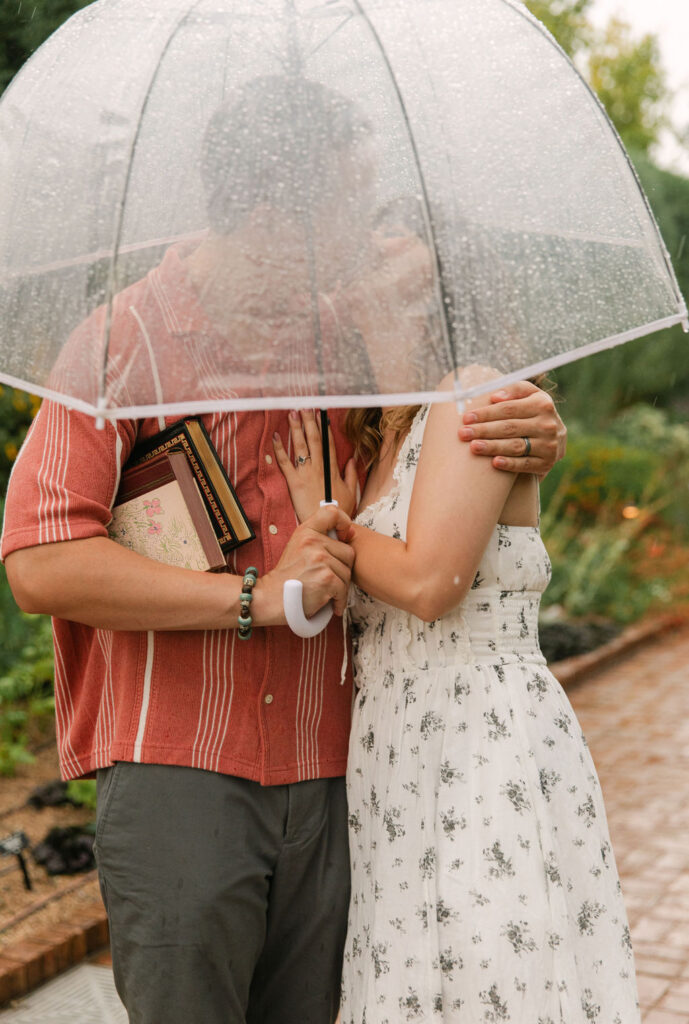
[65, 478]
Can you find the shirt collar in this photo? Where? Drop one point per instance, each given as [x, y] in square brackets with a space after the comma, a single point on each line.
[179, 302]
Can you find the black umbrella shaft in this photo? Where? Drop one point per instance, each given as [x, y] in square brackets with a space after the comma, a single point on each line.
[325, 442]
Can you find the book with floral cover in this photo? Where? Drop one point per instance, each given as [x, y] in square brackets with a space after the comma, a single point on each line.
[159, 513]
[190, 437]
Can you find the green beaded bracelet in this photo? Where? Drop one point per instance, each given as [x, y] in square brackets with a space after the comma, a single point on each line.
[245, 598]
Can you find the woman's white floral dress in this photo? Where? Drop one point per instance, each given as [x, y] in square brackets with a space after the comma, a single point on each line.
[484, 887]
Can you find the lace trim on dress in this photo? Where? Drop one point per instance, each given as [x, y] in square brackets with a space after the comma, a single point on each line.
[369, 511]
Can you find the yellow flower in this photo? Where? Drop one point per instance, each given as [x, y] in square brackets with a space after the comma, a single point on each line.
[11, 451]
[19, 403]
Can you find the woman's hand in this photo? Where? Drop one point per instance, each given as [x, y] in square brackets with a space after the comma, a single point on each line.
[304, 477]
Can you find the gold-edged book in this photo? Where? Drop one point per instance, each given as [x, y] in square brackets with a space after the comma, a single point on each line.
[189, 437]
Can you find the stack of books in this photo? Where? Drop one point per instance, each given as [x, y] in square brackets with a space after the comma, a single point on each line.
[176, 504]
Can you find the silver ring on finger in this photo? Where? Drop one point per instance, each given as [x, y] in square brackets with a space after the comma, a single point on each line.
[302, 460]
[527, 447]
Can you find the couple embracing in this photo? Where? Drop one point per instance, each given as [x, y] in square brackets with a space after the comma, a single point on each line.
[483, 886]
[470, 822]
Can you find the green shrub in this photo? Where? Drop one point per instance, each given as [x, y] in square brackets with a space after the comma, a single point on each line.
[596, 572]
[640, 468]
[642, 461]
[17, 410]
[26, 681]
[82, 792]
[599, 477]
[24, 637]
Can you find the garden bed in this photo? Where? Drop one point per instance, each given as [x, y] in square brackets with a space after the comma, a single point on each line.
[561, 639]
[52, 898]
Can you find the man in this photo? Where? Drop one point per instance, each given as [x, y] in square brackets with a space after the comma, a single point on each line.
[222, 832]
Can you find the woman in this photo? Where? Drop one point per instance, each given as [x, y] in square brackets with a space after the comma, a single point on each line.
[483, 882]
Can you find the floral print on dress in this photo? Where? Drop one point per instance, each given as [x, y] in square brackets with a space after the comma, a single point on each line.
[484, 888]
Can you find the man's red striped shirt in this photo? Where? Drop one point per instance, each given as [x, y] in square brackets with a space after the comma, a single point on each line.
[271, 709]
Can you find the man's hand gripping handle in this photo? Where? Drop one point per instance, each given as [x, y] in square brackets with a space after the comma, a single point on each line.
[292, 592]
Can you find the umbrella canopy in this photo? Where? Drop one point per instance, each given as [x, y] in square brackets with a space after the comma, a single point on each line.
[363, 196]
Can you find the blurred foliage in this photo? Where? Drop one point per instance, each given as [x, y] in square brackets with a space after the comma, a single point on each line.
[652, 369]
[628, 77]
[599, 477]
[642, 460]
[567, 21]
[82, 792]
[26, 681]
[17, 410]
[652, 430]
[625, 71]
[615, 521]
[24, 24]
[599, 570]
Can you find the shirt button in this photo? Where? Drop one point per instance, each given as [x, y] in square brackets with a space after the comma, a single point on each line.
[269, 460]
[268, 698]
[272, 529]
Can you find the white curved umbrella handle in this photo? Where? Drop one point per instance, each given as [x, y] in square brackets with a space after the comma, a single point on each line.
[294, 607]
[294, 612]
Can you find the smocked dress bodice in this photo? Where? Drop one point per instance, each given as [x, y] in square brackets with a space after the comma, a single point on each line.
[497, 622]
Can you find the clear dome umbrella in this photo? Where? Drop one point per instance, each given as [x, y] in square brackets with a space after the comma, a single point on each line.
[315, 141]
[363, 197]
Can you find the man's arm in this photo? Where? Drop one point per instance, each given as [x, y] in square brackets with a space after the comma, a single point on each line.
[516, 412]
[101, 584]
[60, 560]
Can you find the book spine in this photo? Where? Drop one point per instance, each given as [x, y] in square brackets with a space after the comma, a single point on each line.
[238, 521]
[197, 510]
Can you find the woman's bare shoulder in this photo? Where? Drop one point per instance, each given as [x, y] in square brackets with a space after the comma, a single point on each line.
[468, 377]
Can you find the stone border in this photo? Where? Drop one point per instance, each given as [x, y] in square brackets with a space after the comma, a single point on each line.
[572, 671]
[27, 964]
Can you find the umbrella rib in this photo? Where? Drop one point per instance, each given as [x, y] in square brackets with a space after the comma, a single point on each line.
[109, 299]
[345, 21]
[444, 297]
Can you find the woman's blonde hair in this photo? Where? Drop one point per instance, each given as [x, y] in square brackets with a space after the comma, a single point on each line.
[365, 429]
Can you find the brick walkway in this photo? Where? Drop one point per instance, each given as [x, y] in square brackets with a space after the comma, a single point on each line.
[635, 716]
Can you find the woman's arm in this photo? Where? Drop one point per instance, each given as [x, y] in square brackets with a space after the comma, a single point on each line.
[455, 506]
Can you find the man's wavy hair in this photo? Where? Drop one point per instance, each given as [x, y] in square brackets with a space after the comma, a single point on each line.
[273, 144]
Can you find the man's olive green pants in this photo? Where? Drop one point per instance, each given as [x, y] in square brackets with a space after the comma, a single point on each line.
[227, 900]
